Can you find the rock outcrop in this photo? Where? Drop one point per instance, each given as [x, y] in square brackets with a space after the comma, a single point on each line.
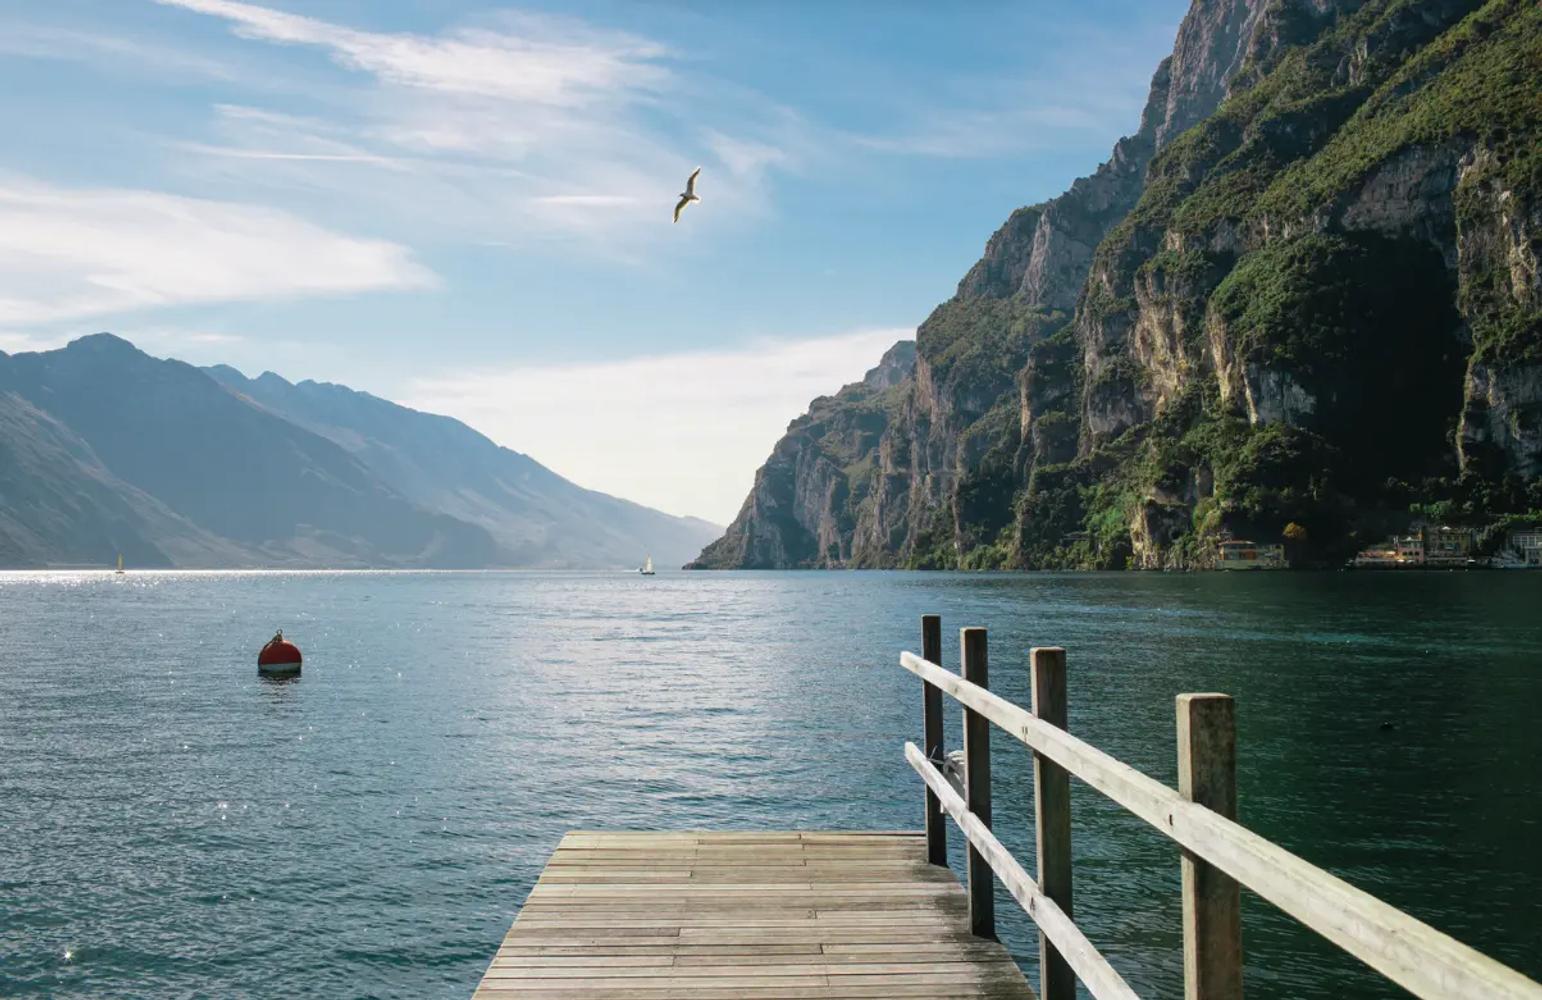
[803, 509]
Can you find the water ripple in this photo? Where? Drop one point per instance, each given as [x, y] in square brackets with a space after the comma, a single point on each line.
[175, 826]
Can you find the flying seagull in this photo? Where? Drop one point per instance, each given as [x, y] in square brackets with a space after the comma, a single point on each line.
[688, 195]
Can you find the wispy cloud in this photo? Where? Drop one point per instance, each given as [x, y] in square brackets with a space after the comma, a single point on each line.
[238, 153]
[551, 62]
[68, 253]
[653, 428]
[34, 41]
[515, 129]
[589, 200]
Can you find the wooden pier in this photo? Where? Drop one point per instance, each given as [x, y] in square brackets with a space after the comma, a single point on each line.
[745, 915]
[847, 914]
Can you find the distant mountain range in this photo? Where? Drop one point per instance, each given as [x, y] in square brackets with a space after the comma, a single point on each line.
[105, 449]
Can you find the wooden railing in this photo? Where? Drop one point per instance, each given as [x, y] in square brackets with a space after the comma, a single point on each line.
[1219, 856]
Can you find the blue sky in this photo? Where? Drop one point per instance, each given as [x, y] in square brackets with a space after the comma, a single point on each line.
[465, 206]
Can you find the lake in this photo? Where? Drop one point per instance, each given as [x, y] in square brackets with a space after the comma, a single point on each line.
[175, 826]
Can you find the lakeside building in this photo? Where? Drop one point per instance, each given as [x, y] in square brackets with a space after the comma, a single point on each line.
[1445, 546]
[1431, 545]
[1379, 556]
[1522, 549]
[1527, 542]
[1238, 553]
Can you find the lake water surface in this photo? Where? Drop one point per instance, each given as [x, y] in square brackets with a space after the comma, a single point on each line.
[172, 825]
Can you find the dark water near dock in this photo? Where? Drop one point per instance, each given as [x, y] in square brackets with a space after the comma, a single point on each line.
[170, 825]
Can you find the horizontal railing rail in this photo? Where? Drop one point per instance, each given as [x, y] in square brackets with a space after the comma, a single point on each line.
[1416, 956]
[1101, 979]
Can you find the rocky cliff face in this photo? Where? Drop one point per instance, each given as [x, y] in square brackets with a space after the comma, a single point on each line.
[1305, 290]
[1324, 302]
[1043, 252]
[802, 510]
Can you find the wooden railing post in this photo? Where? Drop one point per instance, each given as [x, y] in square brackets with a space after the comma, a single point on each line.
[977, 783]
[1410, 953]
[1212, 901]
[1052, 818]
[931, 710]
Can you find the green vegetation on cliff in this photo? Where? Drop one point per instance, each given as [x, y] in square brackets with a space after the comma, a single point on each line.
[1354, 186]
[1319, 316]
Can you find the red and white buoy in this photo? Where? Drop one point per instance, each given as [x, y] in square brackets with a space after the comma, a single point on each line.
[279, 656]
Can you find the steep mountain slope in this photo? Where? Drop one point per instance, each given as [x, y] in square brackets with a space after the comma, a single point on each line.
[1306, 290]
[1326, 304]
[808, 499]
[537, 517]
[60, 506]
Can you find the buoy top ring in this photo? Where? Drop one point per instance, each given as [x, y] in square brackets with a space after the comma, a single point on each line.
[278, 651]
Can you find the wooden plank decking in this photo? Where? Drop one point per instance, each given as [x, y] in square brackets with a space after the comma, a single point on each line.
[746, 915]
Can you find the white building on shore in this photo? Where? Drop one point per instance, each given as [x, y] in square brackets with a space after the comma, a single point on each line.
[1522, 549]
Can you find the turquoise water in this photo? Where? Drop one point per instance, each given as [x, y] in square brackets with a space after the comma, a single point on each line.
[171, 825]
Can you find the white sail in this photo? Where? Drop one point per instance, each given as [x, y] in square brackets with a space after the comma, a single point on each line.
[648, 565]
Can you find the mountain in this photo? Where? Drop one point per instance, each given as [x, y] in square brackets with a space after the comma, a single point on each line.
[59, 504]
[104, 449]
[1305, 293]
[536, 517]
[267, 491]
[804, 507]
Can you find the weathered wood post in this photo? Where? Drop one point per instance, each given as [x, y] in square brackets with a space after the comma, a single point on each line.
[1052, 817]
[1212, 901]
[931, 709]
[977, 783]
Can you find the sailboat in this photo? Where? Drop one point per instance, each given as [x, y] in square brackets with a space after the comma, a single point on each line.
[120, 563]
[647, 567]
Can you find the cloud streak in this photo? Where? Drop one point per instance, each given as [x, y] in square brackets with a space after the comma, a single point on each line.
[523, 127]
[680, 432]
[540, 67]
[70, 253]
[30, 41]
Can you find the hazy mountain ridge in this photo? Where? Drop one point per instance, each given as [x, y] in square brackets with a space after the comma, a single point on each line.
[1306, 290]
[60, 505]
[104, 449]
[536, 516]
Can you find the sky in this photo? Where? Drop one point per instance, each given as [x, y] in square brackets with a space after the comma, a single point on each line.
[465, 206]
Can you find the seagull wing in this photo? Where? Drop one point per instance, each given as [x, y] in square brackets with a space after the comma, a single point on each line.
[680, 206]
[690, 183]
